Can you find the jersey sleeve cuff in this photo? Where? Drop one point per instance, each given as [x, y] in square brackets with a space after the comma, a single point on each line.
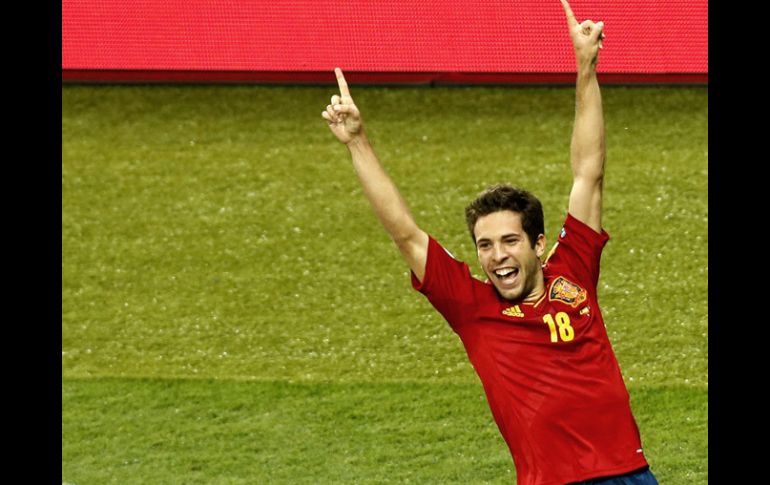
[572, 224]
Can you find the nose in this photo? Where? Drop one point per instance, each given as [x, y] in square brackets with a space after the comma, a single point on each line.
[498, 254]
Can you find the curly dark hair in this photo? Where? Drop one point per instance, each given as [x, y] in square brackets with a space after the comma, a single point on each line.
[502, 197]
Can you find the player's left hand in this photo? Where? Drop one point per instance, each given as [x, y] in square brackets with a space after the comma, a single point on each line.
[586, 36]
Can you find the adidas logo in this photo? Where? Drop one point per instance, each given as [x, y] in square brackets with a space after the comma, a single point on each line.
[513, 311]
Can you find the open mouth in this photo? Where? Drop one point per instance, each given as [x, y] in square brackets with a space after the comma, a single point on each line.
[507, 275]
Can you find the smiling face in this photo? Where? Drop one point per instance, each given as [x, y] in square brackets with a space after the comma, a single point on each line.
[507, 256]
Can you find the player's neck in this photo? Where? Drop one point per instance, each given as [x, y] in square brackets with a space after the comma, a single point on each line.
[537, 291]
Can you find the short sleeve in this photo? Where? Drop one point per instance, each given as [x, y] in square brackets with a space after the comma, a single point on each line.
[578, 251]
[447, 283]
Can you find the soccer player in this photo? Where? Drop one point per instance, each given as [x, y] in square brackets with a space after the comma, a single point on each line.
[533, 331]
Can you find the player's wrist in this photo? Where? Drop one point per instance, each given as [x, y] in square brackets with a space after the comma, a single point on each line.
[586, 69]
[358, 142]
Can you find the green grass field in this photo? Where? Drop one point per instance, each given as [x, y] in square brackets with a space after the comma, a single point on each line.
[232, 313]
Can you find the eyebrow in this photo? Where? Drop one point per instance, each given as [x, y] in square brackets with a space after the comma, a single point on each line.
[504, 236]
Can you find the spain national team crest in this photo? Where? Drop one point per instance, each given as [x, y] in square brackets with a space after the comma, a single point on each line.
[567, 292]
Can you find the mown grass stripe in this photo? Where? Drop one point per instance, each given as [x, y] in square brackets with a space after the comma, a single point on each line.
[218, 431]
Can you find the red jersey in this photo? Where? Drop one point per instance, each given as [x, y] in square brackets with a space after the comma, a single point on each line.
[548, 370]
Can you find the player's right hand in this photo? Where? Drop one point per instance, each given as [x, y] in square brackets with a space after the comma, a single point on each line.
[342, 115]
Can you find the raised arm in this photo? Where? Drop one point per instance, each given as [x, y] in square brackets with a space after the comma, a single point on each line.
[587, 150]
[345, 121]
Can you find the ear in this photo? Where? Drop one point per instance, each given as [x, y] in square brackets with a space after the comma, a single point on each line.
[540, 245]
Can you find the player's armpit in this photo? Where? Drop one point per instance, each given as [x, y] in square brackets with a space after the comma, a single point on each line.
[585, 202]
[414, 249]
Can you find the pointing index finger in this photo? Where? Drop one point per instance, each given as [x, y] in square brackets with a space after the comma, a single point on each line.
[344, 91]
[570, 16]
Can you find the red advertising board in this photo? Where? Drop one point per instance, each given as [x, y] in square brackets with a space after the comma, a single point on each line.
[377, 40]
